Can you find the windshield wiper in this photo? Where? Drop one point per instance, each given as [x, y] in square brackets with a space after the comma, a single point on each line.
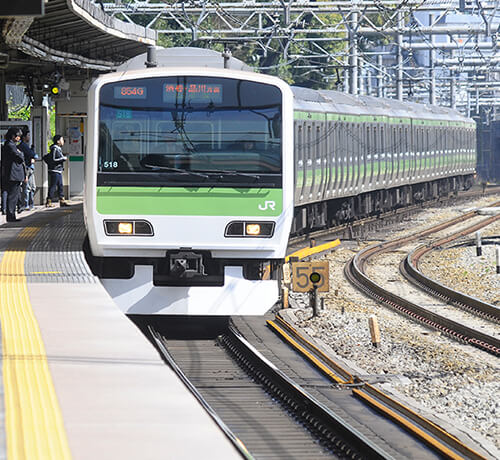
[177, 170]
[233, 173]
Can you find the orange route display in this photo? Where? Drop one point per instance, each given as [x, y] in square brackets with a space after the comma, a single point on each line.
[192, 92]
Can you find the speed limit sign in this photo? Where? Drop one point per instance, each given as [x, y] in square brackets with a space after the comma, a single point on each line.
[310, 275]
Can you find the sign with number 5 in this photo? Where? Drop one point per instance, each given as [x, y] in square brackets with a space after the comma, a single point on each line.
[301, 276]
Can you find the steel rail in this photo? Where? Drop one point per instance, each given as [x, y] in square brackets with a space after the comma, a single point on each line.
[327, 429]
[324, 421]
[355, 272]
[410, 270]
[434, 436]
[171, 362]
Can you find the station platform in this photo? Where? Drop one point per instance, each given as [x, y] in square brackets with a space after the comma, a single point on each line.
[78, 378]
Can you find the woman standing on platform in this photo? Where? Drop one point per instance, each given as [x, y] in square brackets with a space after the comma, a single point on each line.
[14, 173]
[56, 168]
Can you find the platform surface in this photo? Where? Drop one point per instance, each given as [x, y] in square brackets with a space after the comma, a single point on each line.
[79, 380]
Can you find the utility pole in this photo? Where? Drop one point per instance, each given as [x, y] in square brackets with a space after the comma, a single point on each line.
[380, 77]
[399, 79]
[432, 71]
[353, 48]
[452, 89]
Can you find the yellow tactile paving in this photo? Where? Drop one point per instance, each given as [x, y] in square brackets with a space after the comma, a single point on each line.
[33, 421]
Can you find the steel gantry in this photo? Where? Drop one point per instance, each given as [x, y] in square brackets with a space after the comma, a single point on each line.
[438, 51]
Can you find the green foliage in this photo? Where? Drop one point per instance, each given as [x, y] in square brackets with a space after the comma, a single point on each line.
[276, 59]
[22, 113]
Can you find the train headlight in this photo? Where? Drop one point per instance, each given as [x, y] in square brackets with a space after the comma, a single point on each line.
[249, 229]
[128, 228]
[125, 228]
[252, 229]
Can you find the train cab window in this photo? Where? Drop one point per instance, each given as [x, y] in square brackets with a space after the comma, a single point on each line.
[167, 130]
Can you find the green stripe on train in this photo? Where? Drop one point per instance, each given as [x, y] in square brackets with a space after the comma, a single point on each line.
[190, 201]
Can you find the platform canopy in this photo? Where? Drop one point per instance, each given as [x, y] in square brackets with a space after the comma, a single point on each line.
[73, 36]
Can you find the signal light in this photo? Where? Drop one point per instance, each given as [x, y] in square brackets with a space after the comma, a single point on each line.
[54, 90]
[315, 277]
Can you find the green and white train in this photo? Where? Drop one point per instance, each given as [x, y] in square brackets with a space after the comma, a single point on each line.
[195, 175]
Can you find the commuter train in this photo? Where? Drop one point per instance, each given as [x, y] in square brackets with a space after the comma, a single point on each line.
[195, 178]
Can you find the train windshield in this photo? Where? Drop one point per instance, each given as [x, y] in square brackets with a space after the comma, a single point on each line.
[167, 130]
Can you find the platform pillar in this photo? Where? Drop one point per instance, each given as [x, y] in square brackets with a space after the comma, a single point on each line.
[40, 137]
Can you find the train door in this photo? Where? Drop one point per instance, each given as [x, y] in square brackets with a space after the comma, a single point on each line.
[446, 147]
[368, 156]
[416, 152]
[440, 150]
[392, 152]
[362, 157]
[299, 161]
[349, 153]
[308, 166]
[454, 148]
[375, 155]
[330, 155]
[341, 157]
[432, 150]
[407, 154]
[323, 160]
[399, 152]
[357, 153]
[335, 152]
[354, 154]
[383, 154]
[315, 168]
[319, 166]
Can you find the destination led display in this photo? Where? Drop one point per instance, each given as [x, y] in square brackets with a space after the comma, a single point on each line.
[193, 92]
[130, 92]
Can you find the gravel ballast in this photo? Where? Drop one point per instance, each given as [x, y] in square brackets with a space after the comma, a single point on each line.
[451, 380]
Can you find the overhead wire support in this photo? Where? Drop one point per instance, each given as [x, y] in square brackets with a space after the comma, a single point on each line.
[372, 30]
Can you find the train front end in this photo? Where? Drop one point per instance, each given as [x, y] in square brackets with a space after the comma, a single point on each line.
[189, 189]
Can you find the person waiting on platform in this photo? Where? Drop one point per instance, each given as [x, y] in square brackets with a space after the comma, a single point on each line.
[13, 171]
[29, 187]
[55, 163]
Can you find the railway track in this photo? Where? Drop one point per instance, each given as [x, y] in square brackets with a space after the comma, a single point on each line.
[431, 434]
[410, 269]
[262, 411]
[355, 271]
[295, 411]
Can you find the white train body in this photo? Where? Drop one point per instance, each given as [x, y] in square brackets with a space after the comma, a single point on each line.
[189, 187]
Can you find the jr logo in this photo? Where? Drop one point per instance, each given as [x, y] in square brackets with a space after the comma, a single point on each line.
[268, 205]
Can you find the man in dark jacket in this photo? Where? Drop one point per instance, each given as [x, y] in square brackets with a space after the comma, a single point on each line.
[14, 173]
[56, 168]
[29, 187]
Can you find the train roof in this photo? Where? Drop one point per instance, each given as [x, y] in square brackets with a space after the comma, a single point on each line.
[185, 57]
[337, 102]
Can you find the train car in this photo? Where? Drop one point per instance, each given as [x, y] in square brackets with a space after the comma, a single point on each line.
[359, 156]
[189, 188]
[194, 176]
